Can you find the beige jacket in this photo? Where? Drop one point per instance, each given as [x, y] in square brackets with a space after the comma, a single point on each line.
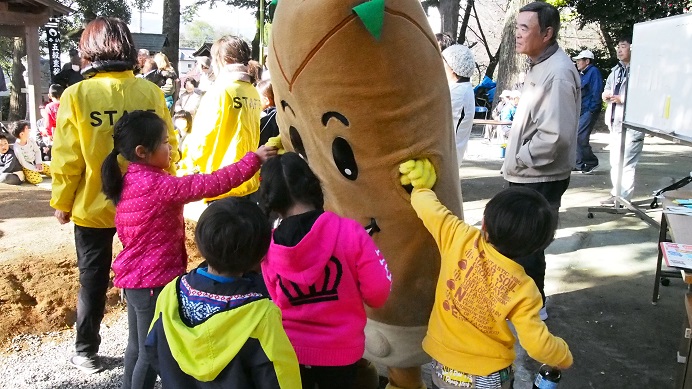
[543, 139]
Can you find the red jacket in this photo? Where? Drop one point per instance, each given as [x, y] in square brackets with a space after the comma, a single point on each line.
[149, 219]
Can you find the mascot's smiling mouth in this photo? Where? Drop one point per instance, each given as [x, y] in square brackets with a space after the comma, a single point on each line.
[372, 228]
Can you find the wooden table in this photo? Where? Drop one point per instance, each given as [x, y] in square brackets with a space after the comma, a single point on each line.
[674, 228]
[489, 132]
[678, 229]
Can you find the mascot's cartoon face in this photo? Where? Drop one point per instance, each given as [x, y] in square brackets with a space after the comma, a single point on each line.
[355, 106]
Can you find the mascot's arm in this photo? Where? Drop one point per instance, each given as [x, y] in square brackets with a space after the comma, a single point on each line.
[374, 278]
[442, 224]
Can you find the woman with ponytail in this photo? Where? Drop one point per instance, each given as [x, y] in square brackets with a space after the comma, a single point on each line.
[82, 140]
[149, 220]
[226, 125]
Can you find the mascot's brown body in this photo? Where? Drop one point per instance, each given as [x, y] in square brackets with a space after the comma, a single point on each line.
[356, 102]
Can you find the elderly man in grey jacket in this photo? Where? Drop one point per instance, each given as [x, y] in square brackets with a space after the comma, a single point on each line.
[542, 142]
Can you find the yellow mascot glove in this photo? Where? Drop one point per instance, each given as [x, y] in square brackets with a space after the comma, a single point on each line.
[275, 141]
[418, 173]
[406, 168]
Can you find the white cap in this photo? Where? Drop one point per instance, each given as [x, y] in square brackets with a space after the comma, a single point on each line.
[506, 93]
[514, 94]
[584, 54]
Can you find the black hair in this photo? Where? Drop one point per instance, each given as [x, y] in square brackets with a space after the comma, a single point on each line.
[548, 16]
[18, 127]
[287, 179]
[519, 221]
[182, 114]
[192, 81]
[264, 87]
[444, 40]
[3, 136]
[625, 38]
[133, 129]
[55, 90]
[233, 235]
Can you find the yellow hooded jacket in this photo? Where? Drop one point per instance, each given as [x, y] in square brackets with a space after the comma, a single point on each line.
[83, 138]
[225, 128]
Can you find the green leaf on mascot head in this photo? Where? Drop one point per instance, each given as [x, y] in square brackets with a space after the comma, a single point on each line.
[372, 14]
[274, 2]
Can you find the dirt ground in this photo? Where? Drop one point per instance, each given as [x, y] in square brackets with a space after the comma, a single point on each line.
[38, 265]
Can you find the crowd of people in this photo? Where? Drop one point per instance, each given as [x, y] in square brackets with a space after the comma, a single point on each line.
[261, 310]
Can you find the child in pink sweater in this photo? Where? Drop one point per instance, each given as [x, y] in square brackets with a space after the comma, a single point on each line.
[319, 270]
[149, 221]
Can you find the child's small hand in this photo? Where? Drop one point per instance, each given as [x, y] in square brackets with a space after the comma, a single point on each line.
[275, 141]
[419, 173]
[39, 167]
[266, 152]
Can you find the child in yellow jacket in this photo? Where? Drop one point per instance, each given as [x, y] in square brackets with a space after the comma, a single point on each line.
[481, 289]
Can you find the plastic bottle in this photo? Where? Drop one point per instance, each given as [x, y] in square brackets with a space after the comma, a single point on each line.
[547, 377]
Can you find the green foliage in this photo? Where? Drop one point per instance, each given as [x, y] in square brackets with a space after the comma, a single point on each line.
[197, 33]
[189, 13]
[617, 17]
[6, 47]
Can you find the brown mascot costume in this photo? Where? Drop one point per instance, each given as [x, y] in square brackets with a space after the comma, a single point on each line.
[360, 88]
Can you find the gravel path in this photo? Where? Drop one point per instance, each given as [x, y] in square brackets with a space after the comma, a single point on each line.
[41, 362]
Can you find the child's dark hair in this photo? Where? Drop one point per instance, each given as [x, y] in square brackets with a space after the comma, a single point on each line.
[519, 221]
[265, 89]
[55, 91]
[287, 179]
[233, 235]
[3, 136]
[133, 129]
[182, 114]
[18, 127]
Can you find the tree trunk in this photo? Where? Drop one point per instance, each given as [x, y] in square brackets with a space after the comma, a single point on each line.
[608, 41]
[492, 64]
[256, 40]
[461, 38]
[510, 63]
[171, 28]
[17, 98]
[449, 17]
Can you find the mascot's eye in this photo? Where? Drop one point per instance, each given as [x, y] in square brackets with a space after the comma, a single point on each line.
[297, 142]
[344, 158]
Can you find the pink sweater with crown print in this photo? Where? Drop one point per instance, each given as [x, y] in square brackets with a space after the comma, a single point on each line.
[321, 284]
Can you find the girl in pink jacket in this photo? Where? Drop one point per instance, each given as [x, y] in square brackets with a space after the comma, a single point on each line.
[149, 221]
[319, 270]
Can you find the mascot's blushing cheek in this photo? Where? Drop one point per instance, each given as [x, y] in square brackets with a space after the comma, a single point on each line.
[355, 107]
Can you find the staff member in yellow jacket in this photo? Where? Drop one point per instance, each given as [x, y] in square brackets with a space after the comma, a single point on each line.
[83, 139]
[226, 125]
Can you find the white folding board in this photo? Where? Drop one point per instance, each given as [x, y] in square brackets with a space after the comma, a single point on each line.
[659, 94]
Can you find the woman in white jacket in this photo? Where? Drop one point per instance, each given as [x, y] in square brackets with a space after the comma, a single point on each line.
[459, 65]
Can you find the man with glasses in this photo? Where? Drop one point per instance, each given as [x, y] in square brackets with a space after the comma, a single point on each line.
[541, 149]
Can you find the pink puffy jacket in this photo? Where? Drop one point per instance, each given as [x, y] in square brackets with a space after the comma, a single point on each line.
[149, 219]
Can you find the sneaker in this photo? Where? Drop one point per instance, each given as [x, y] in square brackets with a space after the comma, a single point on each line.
[588, 169]
[543, 314]
[609, 202]
[576, 169]
[87, 364]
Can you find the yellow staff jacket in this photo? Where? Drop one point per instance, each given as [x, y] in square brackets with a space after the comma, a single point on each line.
[83, 138]
[225, 128]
